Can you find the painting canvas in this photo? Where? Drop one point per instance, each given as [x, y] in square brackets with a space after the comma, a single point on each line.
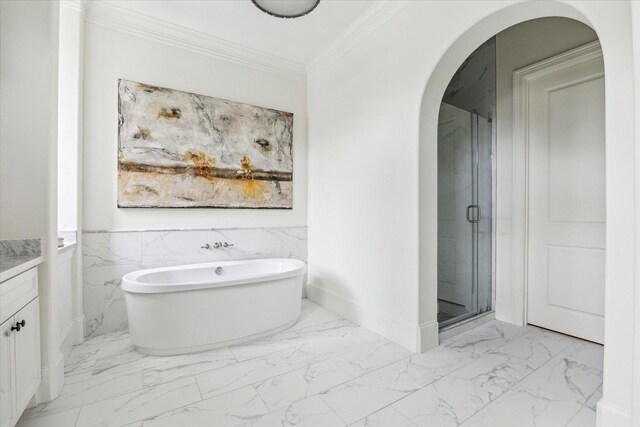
[181, 150]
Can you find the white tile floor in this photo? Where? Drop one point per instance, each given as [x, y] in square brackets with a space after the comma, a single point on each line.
[326, 371]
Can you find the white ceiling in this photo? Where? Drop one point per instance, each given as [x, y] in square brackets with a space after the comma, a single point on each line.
[240, 22]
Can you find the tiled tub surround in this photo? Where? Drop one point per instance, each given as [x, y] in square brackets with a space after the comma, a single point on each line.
[107, 256]
[326, 371]
[17, 256]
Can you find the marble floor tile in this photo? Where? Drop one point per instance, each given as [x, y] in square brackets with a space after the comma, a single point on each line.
[331, 327]
[305, 382]
[586, 417]
[310, 412]
[60, 419]
[434, 364]
[454, 398]
[567, 378]
[595, 397]
[327, 371]
[312, 313]
[165, 369]
[94, 389]
[241, 374]
[127, 408]
[105, 348]
[263, 346]
[535, 348]
[586, 353]
[302, 355]
[486, 337]
[235, 408]
[337, 341]
[369, 357]
[386, 417]
[78, 371]
[525, 406]
[371, 392]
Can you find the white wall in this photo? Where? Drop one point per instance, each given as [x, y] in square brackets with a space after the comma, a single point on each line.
[373, 171]
[517, 47]
[26, 91]
[635, 17]
[69, 85]
[28, 156]
[110, 55]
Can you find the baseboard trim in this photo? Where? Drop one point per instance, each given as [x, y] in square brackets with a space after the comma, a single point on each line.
[380, 323]
[427, 336]
[609, 415]
[78, 330]
[67, 339]
[52, 380]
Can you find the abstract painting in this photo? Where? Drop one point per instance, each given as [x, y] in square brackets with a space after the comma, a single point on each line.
[181, 150]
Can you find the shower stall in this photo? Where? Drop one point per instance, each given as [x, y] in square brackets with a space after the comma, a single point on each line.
[465, 208]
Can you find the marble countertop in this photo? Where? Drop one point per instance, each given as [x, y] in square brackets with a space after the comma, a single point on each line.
[12, 266]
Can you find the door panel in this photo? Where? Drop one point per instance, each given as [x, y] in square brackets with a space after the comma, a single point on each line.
[566, 231]
[576, 125]
[464, 214]
[454, 195]
[27, 350]
[6, 374]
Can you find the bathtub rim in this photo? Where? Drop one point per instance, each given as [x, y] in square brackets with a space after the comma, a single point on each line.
[131, 284]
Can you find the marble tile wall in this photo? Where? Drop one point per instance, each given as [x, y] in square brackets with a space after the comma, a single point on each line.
[107, 256]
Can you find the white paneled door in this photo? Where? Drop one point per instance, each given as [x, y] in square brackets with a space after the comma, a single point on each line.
[566, 235]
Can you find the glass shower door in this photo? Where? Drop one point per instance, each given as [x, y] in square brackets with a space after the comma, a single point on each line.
[464, 215]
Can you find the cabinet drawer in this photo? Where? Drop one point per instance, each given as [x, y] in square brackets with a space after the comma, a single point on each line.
[15, 293]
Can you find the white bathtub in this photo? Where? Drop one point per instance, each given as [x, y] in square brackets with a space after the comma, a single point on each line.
[190, 308]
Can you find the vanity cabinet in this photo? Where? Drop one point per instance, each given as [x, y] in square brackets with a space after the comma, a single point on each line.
[20, 373]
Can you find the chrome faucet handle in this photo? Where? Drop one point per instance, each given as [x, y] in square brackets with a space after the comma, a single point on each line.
[205, 246]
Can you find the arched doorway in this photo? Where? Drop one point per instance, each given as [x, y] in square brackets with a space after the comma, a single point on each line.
[619, 277]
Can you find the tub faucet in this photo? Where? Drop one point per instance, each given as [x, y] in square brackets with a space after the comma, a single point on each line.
[218, 270]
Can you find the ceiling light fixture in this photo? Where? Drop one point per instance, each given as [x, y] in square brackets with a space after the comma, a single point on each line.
[286, 8]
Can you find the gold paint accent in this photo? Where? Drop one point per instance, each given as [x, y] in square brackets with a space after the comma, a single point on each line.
[202, 162]
[175, 113]
[252, 189]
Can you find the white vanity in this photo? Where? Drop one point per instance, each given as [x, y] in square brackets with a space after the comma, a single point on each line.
[20, 373]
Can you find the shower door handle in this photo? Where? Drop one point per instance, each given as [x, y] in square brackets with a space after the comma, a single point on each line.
[469, 219]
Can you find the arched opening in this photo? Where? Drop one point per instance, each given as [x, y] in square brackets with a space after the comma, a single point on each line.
[433, 94]
[494, 160]
[428, 138]
[619, 188]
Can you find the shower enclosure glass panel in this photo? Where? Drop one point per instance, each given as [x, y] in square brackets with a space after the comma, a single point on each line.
[464, 215]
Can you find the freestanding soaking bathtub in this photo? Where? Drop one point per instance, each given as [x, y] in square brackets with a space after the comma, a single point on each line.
[191, 308]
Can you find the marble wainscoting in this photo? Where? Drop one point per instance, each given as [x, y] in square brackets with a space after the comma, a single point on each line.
[107, 256]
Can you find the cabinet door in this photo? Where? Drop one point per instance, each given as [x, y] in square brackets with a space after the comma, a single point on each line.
[7, 403]
[27, 354]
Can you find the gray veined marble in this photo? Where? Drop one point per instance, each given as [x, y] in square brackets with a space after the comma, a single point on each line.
[20, 248]
[107, 256]
[17, 256]
[325, 371]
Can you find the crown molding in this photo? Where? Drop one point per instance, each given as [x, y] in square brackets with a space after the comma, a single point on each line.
[372, 19]
[117, 18]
